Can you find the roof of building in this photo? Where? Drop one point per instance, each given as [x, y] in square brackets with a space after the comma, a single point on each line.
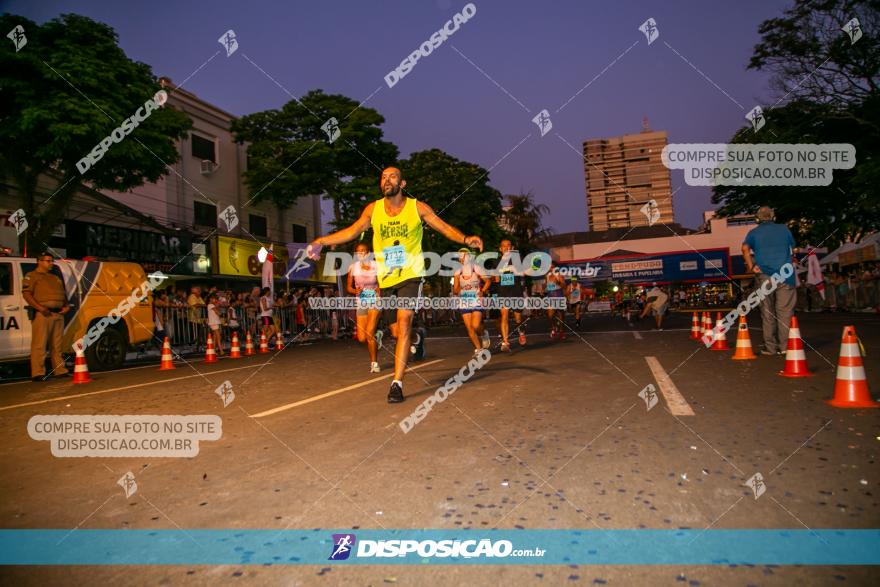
[612, 235]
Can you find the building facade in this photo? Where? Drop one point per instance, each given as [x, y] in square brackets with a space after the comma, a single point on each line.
[208, 177]
[623, 174]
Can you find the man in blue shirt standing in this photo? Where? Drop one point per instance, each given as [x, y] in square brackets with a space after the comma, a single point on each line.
[767, 248]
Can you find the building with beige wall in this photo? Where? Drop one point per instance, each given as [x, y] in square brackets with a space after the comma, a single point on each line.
[622, 175]
[208, 177]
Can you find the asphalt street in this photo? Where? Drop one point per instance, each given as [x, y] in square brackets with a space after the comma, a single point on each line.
[553, 435]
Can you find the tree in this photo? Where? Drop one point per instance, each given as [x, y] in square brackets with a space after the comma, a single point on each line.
[459, 192]
[291, 156]
[523, 220]
[813, 58]
[839, 102]
[61, 94]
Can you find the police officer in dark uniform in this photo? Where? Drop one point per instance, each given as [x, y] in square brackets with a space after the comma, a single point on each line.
[44, 293]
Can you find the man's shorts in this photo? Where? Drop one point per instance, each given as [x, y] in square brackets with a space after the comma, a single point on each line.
[411, 288]
[659, 310]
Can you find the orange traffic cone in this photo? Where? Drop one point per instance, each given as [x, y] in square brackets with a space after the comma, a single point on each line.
[279, 342]
[795, 358]
[719, 336]
[707, 325]
[695, 328]
[851, 387]
[235, 351]
[80, 367]
[264, 345]
[249, 346]
[210, 355]
[743, 342]
[167, 363]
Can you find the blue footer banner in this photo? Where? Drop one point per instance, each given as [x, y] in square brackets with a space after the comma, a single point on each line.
[492, 547]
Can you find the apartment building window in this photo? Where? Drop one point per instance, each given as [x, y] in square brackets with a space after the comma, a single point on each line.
[300, 234]
[203, 148]
[257, 224]
[204, 214]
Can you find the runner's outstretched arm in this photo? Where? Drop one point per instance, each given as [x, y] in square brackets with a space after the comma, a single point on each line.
[427, 214]
[347, 234]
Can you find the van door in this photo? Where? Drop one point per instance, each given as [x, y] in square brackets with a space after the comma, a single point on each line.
[13, 317]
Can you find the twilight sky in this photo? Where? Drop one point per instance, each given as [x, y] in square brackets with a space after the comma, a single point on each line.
[538, 54]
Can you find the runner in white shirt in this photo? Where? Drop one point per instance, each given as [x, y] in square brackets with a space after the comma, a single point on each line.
[266, 305]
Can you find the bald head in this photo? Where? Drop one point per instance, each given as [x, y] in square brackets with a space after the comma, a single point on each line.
[392, 182]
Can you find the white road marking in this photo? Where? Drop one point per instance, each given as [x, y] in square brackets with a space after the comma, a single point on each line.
[123, 388]
[637, 334]
[678, 406]
[315, 398]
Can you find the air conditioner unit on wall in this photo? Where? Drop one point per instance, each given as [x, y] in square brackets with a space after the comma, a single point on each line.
[208, 167]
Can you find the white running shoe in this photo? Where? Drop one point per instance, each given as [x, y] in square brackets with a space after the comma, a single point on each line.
[374, 367]
[487, 342]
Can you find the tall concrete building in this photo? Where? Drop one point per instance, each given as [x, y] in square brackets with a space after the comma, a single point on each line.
[623, 174]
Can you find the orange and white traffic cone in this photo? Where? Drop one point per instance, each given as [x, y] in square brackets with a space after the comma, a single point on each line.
[851, 387]
[719, 336]
[264, 344]
[249, 346]
[235, 351]
[696, 331]
[743, 342]
[167, 363]
[707, 325]
[80, 367]
[795, 358]
[279, 342]
[210, 354]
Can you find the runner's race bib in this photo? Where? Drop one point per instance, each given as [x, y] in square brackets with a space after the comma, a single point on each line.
[395, 256]
[507, 278]
[367, 297]
[469, 298]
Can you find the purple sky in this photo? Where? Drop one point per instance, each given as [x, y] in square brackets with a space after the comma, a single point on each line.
[541, 54]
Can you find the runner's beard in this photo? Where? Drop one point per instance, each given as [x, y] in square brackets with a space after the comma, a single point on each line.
[391, 190]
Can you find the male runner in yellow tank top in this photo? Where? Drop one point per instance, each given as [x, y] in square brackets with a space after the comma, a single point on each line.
[397, 244]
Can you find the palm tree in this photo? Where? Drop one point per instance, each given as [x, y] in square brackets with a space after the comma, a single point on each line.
[521, 219]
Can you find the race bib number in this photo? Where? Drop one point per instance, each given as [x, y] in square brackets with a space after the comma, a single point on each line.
[395, 256]
[367, 297]
[469, 295]
[507, 278]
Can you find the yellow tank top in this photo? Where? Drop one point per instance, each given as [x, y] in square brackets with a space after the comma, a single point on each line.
[397, 243]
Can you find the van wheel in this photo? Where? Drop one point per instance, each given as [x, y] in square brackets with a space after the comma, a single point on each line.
[108, 352]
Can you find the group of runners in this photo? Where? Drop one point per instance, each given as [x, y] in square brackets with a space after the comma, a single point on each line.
[395, 268]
